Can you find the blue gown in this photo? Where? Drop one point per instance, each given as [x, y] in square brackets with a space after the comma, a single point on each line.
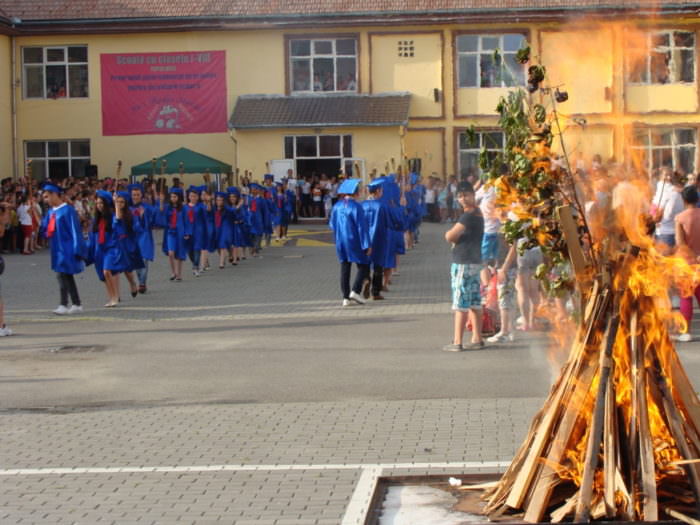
[377, 217]
[196, 226]
[268, 215]
[173, 238]
[211, 239]
[147, 218]
[349, 224]
[99, 250]
[222, 227]
[257, 204]
[123, 254]
[67, 246]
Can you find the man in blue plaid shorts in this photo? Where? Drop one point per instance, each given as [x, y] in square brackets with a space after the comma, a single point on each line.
[465, 237]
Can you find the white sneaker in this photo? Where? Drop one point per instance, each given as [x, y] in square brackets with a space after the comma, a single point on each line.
[347, 302]
[5, 332]
[61, 310]
[501, 338]
[75, 309]
[357, 297]
[685, 338]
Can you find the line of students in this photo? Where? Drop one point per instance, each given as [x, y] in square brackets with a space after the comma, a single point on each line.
[120, 239]
[373, 234]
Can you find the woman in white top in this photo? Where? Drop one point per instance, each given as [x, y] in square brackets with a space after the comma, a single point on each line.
[670, 204]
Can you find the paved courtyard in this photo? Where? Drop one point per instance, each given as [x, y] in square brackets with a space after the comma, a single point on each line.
[248, 395]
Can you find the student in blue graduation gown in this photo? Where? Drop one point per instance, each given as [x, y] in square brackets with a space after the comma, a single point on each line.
[103, 244]
[67, 248]
[195, 228]
[284, 210]
[256, 208]
[352, 242]
[222, 226]
[237, 219]
[377, 216]
[391, 197]
[207, 200]
[172, 219]
[146, 216]
[125, 257]
[268, 215]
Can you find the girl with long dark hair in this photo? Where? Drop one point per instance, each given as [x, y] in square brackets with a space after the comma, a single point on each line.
[171, 218]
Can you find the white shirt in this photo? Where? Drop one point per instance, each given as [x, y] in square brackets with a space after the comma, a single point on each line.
[486, 200]
[25, 219]
[429, 196]
[672, 205]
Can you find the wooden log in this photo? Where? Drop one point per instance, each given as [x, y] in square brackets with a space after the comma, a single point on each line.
[565, 510]
[647, 485]
[548, 478]
[609, 450]
[583, 509]
[569, 229]
[675, 426]
[682, 517]
[636, 369]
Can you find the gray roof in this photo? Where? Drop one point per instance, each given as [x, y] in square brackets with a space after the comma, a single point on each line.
[304, 111]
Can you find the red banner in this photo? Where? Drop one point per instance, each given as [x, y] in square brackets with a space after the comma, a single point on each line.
[163, 93]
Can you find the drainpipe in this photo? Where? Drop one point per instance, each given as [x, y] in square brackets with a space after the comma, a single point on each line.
[13, 87]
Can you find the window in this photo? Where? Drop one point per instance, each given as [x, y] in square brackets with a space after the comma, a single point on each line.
[657, 147]
[58, 159]
[55, 72]
[469, 151]
[317, 146]
[406, 49]
[666, 57]
[489, 60]
[323, 65]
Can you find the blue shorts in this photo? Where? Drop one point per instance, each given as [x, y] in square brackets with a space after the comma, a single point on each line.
[466, 286]
[489, 247]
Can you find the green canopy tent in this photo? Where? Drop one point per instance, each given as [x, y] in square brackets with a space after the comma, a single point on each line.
[182, 160]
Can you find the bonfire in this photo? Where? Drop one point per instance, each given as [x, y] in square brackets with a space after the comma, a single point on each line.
[619, 436]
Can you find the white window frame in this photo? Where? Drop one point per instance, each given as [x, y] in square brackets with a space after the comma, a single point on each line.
[312, 55]
[46, 158]
[476, 150]
[675, 146]
[46, 63]
[481, 51]
[341, 136]
[664, 49]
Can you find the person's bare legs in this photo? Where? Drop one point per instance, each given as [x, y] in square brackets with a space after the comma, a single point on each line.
[523, 299]
[460, 324]
[475, 317]
[132, 282]
[171, 260]
[533, 293]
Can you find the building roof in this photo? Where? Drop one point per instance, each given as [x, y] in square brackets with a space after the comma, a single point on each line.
[309, 111]
[38, 10]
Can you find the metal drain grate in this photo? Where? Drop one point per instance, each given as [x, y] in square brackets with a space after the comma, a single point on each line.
[77, 349]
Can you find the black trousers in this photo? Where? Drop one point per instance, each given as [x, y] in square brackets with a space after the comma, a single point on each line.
[362, 274]
[66, 283]
[377, 279]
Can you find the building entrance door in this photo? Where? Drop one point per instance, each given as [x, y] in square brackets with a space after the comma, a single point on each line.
[317, 167]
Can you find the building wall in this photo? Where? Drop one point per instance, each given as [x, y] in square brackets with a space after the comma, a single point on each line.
[5, 108]
[588, 61]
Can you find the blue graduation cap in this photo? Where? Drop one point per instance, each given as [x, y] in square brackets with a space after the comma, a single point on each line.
[52, 188]
[202, 188]
[222, 194]
[268, 176]
[132, 187]
[349, 186]
[234, 190]
[255, 186]
[176, 191]
[377, 182]
[124, 195]
[105, 196]
[194, 189]
[414, 178]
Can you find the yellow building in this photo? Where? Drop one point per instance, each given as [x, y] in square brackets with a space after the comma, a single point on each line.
[328, 85]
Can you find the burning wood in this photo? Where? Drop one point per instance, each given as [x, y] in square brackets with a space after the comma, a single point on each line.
[619, 435]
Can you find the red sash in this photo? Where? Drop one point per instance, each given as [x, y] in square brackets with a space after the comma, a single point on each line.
[217, 219]
[102, 229]
[190, 214]
[173, 219]
[51, 228]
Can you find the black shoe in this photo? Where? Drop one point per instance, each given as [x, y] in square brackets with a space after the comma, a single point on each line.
[142, 288]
